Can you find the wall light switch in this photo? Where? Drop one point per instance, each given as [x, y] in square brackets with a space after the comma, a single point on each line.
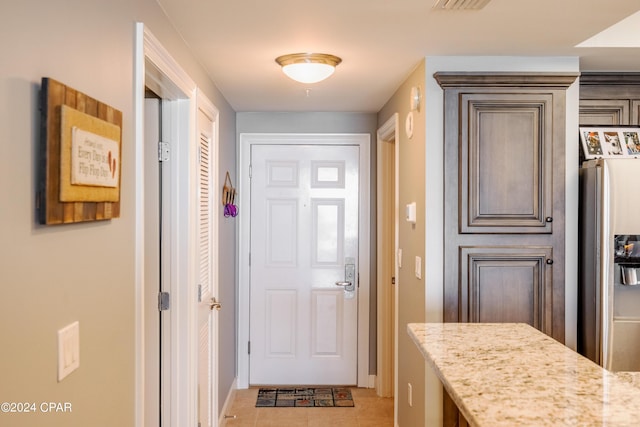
[399, 257]
[411, 213]
[419, 267]
[68, 349]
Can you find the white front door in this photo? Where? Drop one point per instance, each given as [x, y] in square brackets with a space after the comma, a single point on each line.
[304, 250]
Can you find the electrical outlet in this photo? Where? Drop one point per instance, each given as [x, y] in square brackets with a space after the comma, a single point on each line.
[410, 394]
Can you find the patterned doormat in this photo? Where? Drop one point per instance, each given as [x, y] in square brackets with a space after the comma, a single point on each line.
[304, 397]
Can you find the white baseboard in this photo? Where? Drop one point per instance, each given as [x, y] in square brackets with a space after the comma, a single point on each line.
[227, 403]
[372, 381]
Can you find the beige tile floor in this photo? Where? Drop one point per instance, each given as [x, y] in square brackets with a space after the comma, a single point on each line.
[369, 411]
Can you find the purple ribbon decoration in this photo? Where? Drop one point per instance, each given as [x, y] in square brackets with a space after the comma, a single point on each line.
[230, 210]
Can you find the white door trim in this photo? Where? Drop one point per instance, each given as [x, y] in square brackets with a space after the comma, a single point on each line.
[155, 68]
[386, 318]
[244, 158]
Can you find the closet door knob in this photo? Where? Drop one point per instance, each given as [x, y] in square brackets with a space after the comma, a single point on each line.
[214, 304]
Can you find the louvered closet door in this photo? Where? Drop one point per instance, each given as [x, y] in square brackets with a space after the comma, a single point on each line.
[206, 316]
[304, 235]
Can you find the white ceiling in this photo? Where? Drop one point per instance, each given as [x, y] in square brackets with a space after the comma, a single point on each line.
[380, 43]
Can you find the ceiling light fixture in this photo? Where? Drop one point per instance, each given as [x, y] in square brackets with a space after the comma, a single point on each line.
[308, 67]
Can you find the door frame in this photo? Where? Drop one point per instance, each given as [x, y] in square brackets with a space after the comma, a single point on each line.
[387, 321]
[246, 140]
[156, 68]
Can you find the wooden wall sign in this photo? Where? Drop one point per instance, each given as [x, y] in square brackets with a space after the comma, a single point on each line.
[80, 157]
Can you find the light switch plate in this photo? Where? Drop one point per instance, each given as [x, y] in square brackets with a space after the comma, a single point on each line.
[399, 257]
[68, 349]
[411, 213]
[419, 267]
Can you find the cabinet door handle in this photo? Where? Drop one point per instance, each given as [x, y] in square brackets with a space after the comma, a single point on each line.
[549, 219]
[549, 261]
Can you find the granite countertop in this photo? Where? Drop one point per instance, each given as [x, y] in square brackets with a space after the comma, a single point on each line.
[514, 375]
[630, 377]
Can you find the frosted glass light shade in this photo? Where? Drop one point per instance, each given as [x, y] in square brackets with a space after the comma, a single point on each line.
[308, 67]
[308, 72]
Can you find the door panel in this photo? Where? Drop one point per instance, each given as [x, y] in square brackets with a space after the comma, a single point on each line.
[635, 112]
[327, 244]
[624, 354]
[282, 232]
[599, 112]
[327, 323]
[280, 323]
[506, 284]
[304, 230]
[505, 161]
[207, 315]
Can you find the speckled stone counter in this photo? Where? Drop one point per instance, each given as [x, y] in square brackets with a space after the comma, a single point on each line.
[630, 377]
[514, 375]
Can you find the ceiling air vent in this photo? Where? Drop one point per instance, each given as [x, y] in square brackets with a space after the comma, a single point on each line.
[460, 4]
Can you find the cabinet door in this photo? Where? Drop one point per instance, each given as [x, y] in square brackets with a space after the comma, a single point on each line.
[506, 284]
[505, 163]
[601, 112]
[635, 112]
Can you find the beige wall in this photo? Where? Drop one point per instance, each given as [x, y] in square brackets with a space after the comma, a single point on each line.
[51, 276]
[411, 290]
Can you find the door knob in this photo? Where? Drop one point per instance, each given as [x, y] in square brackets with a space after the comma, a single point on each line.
[343, 284]
[214, 304]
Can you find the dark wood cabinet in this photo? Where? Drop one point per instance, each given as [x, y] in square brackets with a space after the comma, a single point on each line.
[609, 99]
[598, 112]
[504, 137]
[504, 197]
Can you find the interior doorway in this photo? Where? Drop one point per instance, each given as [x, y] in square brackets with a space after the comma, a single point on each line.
[176, 357]
[387, 249]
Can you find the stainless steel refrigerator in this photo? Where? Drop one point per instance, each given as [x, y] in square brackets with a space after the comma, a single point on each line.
[609, 263]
